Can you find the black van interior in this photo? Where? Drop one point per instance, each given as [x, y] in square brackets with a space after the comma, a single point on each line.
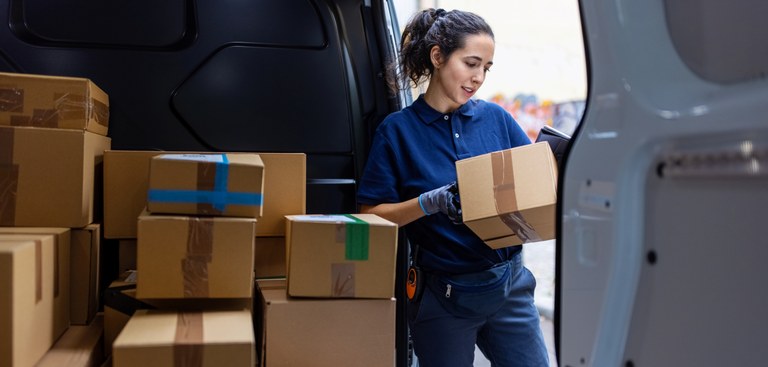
[260, 76]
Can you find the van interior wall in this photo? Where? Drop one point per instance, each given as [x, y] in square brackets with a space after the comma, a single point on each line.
[264, 76]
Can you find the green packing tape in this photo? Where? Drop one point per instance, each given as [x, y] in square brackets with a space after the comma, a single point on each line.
[356, 243]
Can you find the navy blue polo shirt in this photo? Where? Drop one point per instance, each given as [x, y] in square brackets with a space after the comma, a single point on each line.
[415, 150]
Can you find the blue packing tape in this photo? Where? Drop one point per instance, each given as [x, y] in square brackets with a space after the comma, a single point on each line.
[195, 196]
[219, 198]
[220, 184]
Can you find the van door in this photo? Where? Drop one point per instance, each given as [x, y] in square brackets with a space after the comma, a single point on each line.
[661, 246]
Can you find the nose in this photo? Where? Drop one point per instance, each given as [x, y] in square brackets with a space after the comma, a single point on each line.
[478, 77]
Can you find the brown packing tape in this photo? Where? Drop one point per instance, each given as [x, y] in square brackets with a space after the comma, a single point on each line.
[38, 271]
[6, 145]
[341, 233]
[45, 118]
[522, 229]
[40, 117]
[194, 265]
[503, 182]
[505, 198]
[70, 106]
[100, 112]
[11, 99]
[206, 181]
[343, 279]
[342, 274]
[188, 341]
[9, 179]
[21, 120]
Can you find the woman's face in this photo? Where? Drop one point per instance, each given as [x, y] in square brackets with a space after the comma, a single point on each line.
[458, 78]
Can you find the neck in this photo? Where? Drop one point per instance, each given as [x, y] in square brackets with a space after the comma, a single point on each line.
[439, 101]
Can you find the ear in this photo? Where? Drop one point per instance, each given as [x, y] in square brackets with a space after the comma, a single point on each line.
[436, 56]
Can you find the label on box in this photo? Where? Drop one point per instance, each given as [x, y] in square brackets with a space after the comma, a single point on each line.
[212, 158]
[323, 218]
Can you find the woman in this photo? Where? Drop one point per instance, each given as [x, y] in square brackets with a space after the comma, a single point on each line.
[473, 294]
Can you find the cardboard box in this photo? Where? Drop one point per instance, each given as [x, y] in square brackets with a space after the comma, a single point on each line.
[509, 197]
[53, 102]
[80, 346]
[194, 257]
[226, 184]
[86, 243]
[120, 304]
[126, 182]
[62, 254]
[349, 256]
[27, 286]
[269, 257]
[323, 332]
[170, 338]
[47, 176]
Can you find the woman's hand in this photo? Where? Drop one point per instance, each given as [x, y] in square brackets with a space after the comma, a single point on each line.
[443, 199]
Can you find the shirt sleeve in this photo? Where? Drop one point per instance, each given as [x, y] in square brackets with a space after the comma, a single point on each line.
[378, 183]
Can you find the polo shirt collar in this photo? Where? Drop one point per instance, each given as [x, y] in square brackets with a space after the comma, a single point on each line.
[429, 115]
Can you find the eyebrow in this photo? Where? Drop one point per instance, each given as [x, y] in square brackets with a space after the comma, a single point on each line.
[478, 58]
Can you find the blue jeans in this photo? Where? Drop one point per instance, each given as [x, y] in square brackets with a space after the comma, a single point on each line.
[493, 309]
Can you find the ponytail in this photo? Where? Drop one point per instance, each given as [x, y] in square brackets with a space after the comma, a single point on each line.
[426, 29]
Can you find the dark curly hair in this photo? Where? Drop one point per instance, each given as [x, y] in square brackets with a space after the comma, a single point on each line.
[427, 28]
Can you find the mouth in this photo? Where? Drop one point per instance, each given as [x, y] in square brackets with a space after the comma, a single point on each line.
[469, 91]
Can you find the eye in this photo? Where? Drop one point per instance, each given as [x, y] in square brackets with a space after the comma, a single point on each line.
[487, 69]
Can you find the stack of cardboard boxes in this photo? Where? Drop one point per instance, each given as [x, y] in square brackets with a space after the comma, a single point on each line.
[195, 248]
[127, 184]
[52, 141]
[351, 321]
[336, 305]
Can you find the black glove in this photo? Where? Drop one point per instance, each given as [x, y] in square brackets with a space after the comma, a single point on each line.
[443, 199]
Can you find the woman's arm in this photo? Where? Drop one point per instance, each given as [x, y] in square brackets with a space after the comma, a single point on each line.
[399, 213]
[442, 199]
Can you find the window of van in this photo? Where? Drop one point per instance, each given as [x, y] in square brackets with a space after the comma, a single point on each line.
[539, 76]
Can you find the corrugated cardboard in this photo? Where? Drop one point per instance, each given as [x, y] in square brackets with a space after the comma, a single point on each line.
[80, 346]
[324, 332]
[62, 300]
[194, 257]
[508, 197]
[53, 102]
[27, 284]
[120, 304]
[349, 256]
[223, 184]
[269, 257]
[86, 243]
[47, 176]
[170, 338]
[126, 182]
